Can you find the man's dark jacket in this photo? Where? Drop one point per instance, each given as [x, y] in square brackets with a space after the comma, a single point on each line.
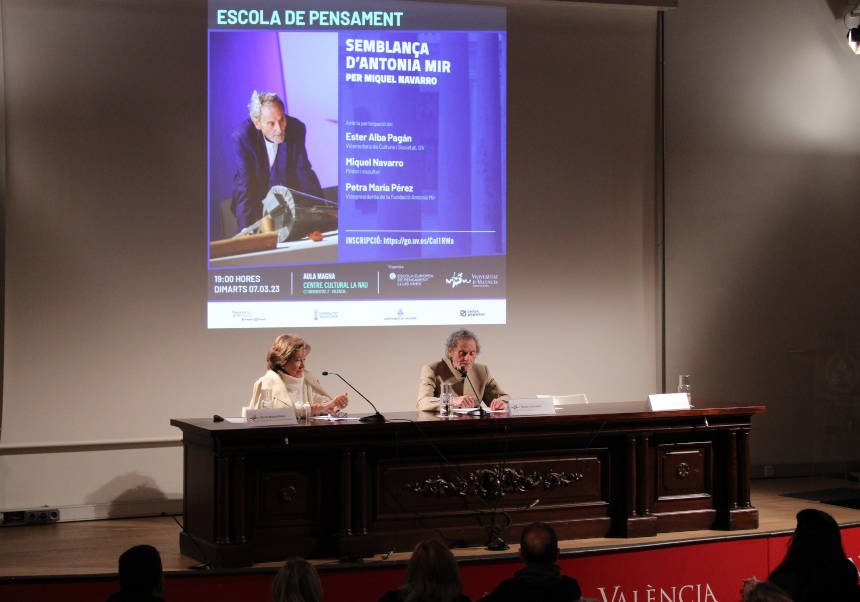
[536, 582]
[254, 178]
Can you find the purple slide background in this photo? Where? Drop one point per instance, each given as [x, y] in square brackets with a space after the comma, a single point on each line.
[460, 121]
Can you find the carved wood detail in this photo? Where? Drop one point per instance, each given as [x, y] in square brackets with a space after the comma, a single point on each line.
[492, 483]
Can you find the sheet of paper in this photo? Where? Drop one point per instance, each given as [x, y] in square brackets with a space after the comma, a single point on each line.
[331, 418]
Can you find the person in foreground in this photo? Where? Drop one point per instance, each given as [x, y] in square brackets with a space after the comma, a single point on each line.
[541, 579]
[290, 383]
[471, 381]
[815, 567]
[140, 576]
[297, 581]
[269, 149]
[432, 576]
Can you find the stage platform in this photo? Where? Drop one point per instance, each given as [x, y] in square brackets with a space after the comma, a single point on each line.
[81, 557]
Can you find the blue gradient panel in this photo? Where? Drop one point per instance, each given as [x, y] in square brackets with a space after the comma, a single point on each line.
[457, 172]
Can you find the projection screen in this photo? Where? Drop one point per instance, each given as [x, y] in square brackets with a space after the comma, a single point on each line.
[368, 189]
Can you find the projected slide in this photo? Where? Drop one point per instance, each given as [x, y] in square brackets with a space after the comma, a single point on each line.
[356, 161]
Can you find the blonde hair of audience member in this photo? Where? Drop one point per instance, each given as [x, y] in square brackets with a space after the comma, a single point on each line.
[765, 591]
[283, 350]
[432, 574]
[297, 581]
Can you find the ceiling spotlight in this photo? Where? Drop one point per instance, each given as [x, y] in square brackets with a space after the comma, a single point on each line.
[854, 39]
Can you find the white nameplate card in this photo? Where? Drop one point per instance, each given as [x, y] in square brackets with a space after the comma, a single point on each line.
[531, 406]
[271, 416]
[669, 401]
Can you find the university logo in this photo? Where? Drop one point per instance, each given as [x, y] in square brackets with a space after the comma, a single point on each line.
[457, 279]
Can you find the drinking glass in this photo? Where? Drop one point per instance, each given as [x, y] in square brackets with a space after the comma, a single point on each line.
[445, 399]
[266, 398]
[685, 387]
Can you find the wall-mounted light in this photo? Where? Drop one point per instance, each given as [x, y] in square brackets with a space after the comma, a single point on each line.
[854, 39]
[852, 22]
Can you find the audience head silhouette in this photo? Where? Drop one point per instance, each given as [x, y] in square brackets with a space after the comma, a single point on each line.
[140, 575]
[432, 576]
[432, 573]
[541, 577]
[297, 581]
[538, 544]
[815, 566]
[817, 538]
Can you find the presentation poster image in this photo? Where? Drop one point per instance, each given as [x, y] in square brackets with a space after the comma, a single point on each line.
[357, 164]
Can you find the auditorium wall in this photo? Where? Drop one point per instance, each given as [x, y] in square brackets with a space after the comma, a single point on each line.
[104, 326]
[762, 211]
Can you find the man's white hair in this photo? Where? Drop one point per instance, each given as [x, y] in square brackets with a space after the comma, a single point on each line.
[458, 335]
[258, 99]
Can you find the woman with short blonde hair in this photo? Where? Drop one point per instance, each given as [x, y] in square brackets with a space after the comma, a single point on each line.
[290, 383]
[284, 349]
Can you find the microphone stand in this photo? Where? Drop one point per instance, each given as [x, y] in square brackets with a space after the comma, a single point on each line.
[464, 374]
[495, 543]
[377, 417]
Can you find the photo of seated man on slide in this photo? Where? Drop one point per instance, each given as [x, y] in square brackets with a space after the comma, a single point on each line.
[269, 149]
[274, 176]
[276, 195]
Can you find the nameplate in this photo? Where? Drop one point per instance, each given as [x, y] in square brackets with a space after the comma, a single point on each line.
[531, 406]
[271, 416]
[669, 401]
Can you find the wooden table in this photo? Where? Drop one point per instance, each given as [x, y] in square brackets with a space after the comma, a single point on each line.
[346, 489]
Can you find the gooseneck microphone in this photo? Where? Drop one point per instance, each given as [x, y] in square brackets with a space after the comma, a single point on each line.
[370, 418]
[495, 542]
[465, 375]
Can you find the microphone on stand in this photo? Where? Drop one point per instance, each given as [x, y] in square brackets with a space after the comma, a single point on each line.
[371, 417]
[494, 531]
[465, 375]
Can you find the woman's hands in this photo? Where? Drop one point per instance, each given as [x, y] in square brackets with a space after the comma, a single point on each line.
[335, 405]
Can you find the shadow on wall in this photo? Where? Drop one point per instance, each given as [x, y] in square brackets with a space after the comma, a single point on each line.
[782, 325]
[829, 378]
[129, 495]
